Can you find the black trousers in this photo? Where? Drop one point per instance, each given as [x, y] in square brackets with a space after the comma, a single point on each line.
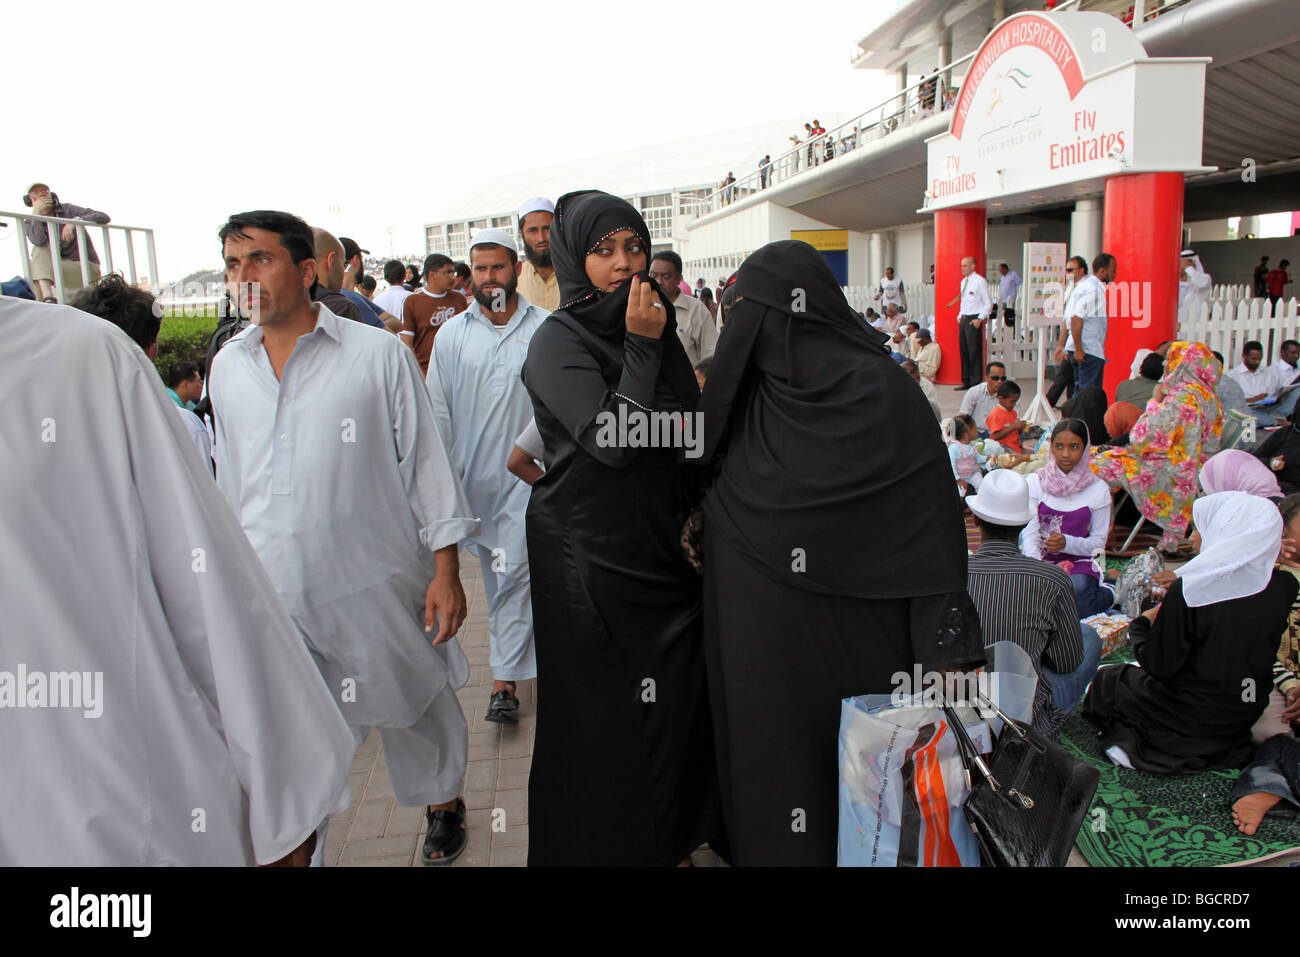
[1064, 382]
[972, 351]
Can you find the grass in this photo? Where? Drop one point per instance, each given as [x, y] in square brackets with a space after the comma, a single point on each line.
[184, 338]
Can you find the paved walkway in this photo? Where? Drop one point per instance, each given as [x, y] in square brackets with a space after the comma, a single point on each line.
[375, 831]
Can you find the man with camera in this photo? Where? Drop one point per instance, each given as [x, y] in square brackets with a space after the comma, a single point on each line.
[45, 203]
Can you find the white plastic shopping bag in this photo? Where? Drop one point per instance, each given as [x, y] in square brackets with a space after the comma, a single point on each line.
[902, 780]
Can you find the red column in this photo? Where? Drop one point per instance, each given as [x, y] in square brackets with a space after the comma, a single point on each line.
[1142, 229]
[958, 233]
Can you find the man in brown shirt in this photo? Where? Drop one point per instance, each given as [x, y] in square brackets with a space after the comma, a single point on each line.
[432, 305]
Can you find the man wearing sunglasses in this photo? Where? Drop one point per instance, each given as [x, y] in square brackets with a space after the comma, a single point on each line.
[982, 399]
[1076, 268]
[1085, 319]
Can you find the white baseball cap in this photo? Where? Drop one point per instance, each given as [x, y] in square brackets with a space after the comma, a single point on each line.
[1003, 499]
[493, 237]
[538, 204]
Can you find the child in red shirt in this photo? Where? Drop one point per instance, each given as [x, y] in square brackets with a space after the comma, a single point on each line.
[1004, 423]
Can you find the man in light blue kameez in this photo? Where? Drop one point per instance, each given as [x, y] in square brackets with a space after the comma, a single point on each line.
[481, 406]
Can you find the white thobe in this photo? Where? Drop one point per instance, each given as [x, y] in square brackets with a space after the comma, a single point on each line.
[481, 407]
[341, 482]
[217, 742]
[1193, 290]
[695, 328]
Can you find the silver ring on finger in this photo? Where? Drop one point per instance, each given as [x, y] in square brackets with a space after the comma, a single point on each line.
[656, 305]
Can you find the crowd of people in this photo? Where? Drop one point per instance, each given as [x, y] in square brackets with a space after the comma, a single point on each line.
[621, 472]
[1154, 452]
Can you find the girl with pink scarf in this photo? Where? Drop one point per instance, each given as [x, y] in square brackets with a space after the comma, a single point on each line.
[1236, 471]
[1071, 519]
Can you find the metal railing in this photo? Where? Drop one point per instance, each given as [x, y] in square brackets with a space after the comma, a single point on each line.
[54, 240]
[933, 93]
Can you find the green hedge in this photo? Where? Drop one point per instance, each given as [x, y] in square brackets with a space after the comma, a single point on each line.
[184, 339]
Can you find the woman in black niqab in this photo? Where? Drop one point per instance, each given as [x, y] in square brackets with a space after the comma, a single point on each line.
[1090, 405]
[834, 550]
[623, 769]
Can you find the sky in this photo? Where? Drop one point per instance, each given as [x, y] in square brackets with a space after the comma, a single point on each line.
[361, 117]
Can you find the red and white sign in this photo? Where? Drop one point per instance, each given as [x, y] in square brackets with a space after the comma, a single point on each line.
[1054, 100]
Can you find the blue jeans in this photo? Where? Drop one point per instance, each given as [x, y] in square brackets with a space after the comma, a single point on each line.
[1067, 690]
[1089, 595]
[897, 357]
[1088, 372]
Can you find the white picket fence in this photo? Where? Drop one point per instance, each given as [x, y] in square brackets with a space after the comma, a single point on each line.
[1227, 322]
[919, 296]
[1225, 325]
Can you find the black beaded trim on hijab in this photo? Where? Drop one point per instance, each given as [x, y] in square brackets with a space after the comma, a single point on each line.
[595, 293]
[599, 293]
[617, 229]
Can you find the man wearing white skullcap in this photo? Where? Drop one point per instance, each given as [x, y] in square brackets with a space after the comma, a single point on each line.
[481, 406]
[537, 279]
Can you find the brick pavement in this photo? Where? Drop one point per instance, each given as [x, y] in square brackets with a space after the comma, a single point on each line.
[375, 831]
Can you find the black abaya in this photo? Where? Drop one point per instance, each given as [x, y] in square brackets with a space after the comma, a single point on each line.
[1286, 443]
[1204, 679]
[623, 769]
[1090, 406]
[834, 550]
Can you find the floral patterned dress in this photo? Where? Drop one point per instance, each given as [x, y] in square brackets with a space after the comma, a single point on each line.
[1170, 442]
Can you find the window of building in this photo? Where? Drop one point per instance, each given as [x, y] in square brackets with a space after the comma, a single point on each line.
[508, 224]
[457, 241]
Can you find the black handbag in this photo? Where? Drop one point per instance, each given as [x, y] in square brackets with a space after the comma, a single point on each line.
[1026, 809]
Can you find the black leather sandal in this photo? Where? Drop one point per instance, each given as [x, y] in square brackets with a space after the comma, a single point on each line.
[447, 835]
[503, 708]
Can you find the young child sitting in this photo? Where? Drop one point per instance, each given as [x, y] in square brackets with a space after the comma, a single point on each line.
[1004, 425]
[966, 459]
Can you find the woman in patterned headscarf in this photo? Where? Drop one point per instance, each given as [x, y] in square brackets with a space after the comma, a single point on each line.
[1170, 442]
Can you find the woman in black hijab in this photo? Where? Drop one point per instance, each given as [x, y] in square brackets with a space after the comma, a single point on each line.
[623, 769]
[833, 547]
[1090, 405]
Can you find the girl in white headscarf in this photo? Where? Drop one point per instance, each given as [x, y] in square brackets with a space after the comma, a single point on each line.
[1206, 654]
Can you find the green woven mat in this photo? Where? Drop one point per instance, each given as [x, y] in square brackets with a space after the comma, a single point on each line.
[1151, 820]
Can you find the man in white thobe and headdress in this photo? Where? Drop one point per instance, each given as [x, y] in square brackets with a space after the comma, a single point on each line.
[157, 705]
[328, 451]
[1193, 285]
[481, 407]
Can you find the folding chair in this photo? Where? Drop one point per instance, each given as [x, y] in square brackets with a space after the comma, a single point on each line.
[1119, 503]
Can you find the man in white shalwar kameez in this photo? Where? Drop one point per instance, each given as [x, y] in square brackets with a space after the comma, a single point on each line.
[189, 725]
[328, 450]
[481, 406]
